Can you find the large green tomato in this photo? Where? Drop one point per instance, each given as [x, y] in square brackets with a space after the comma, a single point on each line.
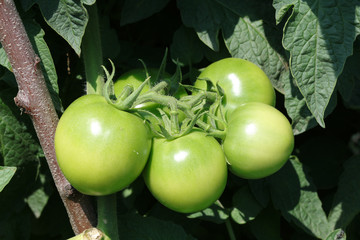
[187, 174]
[100, 149]
[241, 80]
[258, 142]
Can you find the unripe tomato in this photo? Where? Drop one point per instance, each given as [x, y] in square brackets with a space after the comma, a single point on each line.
[99, 148]
[187, 174]
[258, 142]
[241, 80]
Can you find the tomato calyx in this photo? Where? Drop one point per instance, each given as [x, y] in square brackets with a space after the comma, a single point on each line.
[167, 124]
[215, 124]
[127, 97]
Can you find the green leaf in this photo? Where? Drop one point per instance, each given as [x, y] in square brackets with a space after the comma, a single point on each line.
[346, 200]
[295, 195]
[68, 18]
[319, 36]
[282, 7]
[27, 4]
[17, 144]
[245, 206]
[39, 198]
[295, 104]
[16, 226]
[324, 156]
[136, 227]
[6, 173]
[36, 36]
[349, 81]
[186, 47]
[215, 213]
[136, 10]
[266, 226]
[88, 2]
[4, 61]
[260, 189]
[110, 44]
[37, 201]
[247, 31]
[338, 234]
[19, 149]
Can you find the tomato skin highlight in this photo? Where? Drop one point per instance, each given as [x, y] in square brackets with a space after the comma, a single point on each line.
[187, 174]
[241, 80]
[100, 149]
[258, 142]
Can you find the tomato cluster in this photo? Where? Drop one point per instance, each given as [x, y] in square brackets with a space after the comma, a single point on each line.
[101, 149]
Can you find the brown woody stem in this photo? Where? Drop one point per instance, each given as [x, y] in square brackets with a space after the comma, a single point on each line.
[34, 99]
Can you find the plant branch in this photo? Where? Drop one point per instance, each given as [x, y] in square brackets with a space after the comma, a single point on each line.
[34, 99]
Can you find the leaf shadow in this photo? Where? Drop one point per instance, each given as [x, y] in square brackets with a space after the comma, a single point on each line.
[292, 190]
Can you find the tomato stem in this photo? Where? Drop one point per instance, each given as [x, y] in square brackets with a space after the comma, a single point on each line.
[107, 216]
[92, 53]
[230, 229]
[228, 224]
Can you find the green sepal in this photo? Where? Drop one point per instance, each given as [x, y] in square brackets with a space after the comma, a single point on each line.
[127, 97]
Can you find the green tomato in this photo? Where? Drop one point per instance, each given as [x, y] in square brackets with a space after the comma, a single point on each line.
[258, 142]
[241, 80]
[100, 149]
[187, 174]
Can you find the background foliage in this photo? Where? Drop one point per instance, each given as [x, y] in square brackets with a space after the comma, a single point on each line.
[309, 50]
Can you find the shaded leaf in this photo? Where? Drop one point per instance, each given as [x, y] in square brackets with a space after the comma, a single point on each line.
[319, 36]
[17, 226]
[295, 195]
[324, 156]
[6, 173]
[245, 207]
[27, 4]
[214, 213]
[266, 226]
[36, 36]
[296, 107]
[4, 61]
[260, 189]
[18, 148]
[338, 234]
[136, 10]
[88, 2]
[186, 47]
[39, 198]
[37, 201]
[246, 34]
[17, 144]
[68, 18]
[349, 81]
[136, 227]
[346, 200]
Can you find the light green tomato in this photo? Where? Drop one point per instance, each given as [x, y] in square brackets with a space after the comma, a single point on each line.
[186, 174]
[241, 80]
[99, 148]
[259, 140]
